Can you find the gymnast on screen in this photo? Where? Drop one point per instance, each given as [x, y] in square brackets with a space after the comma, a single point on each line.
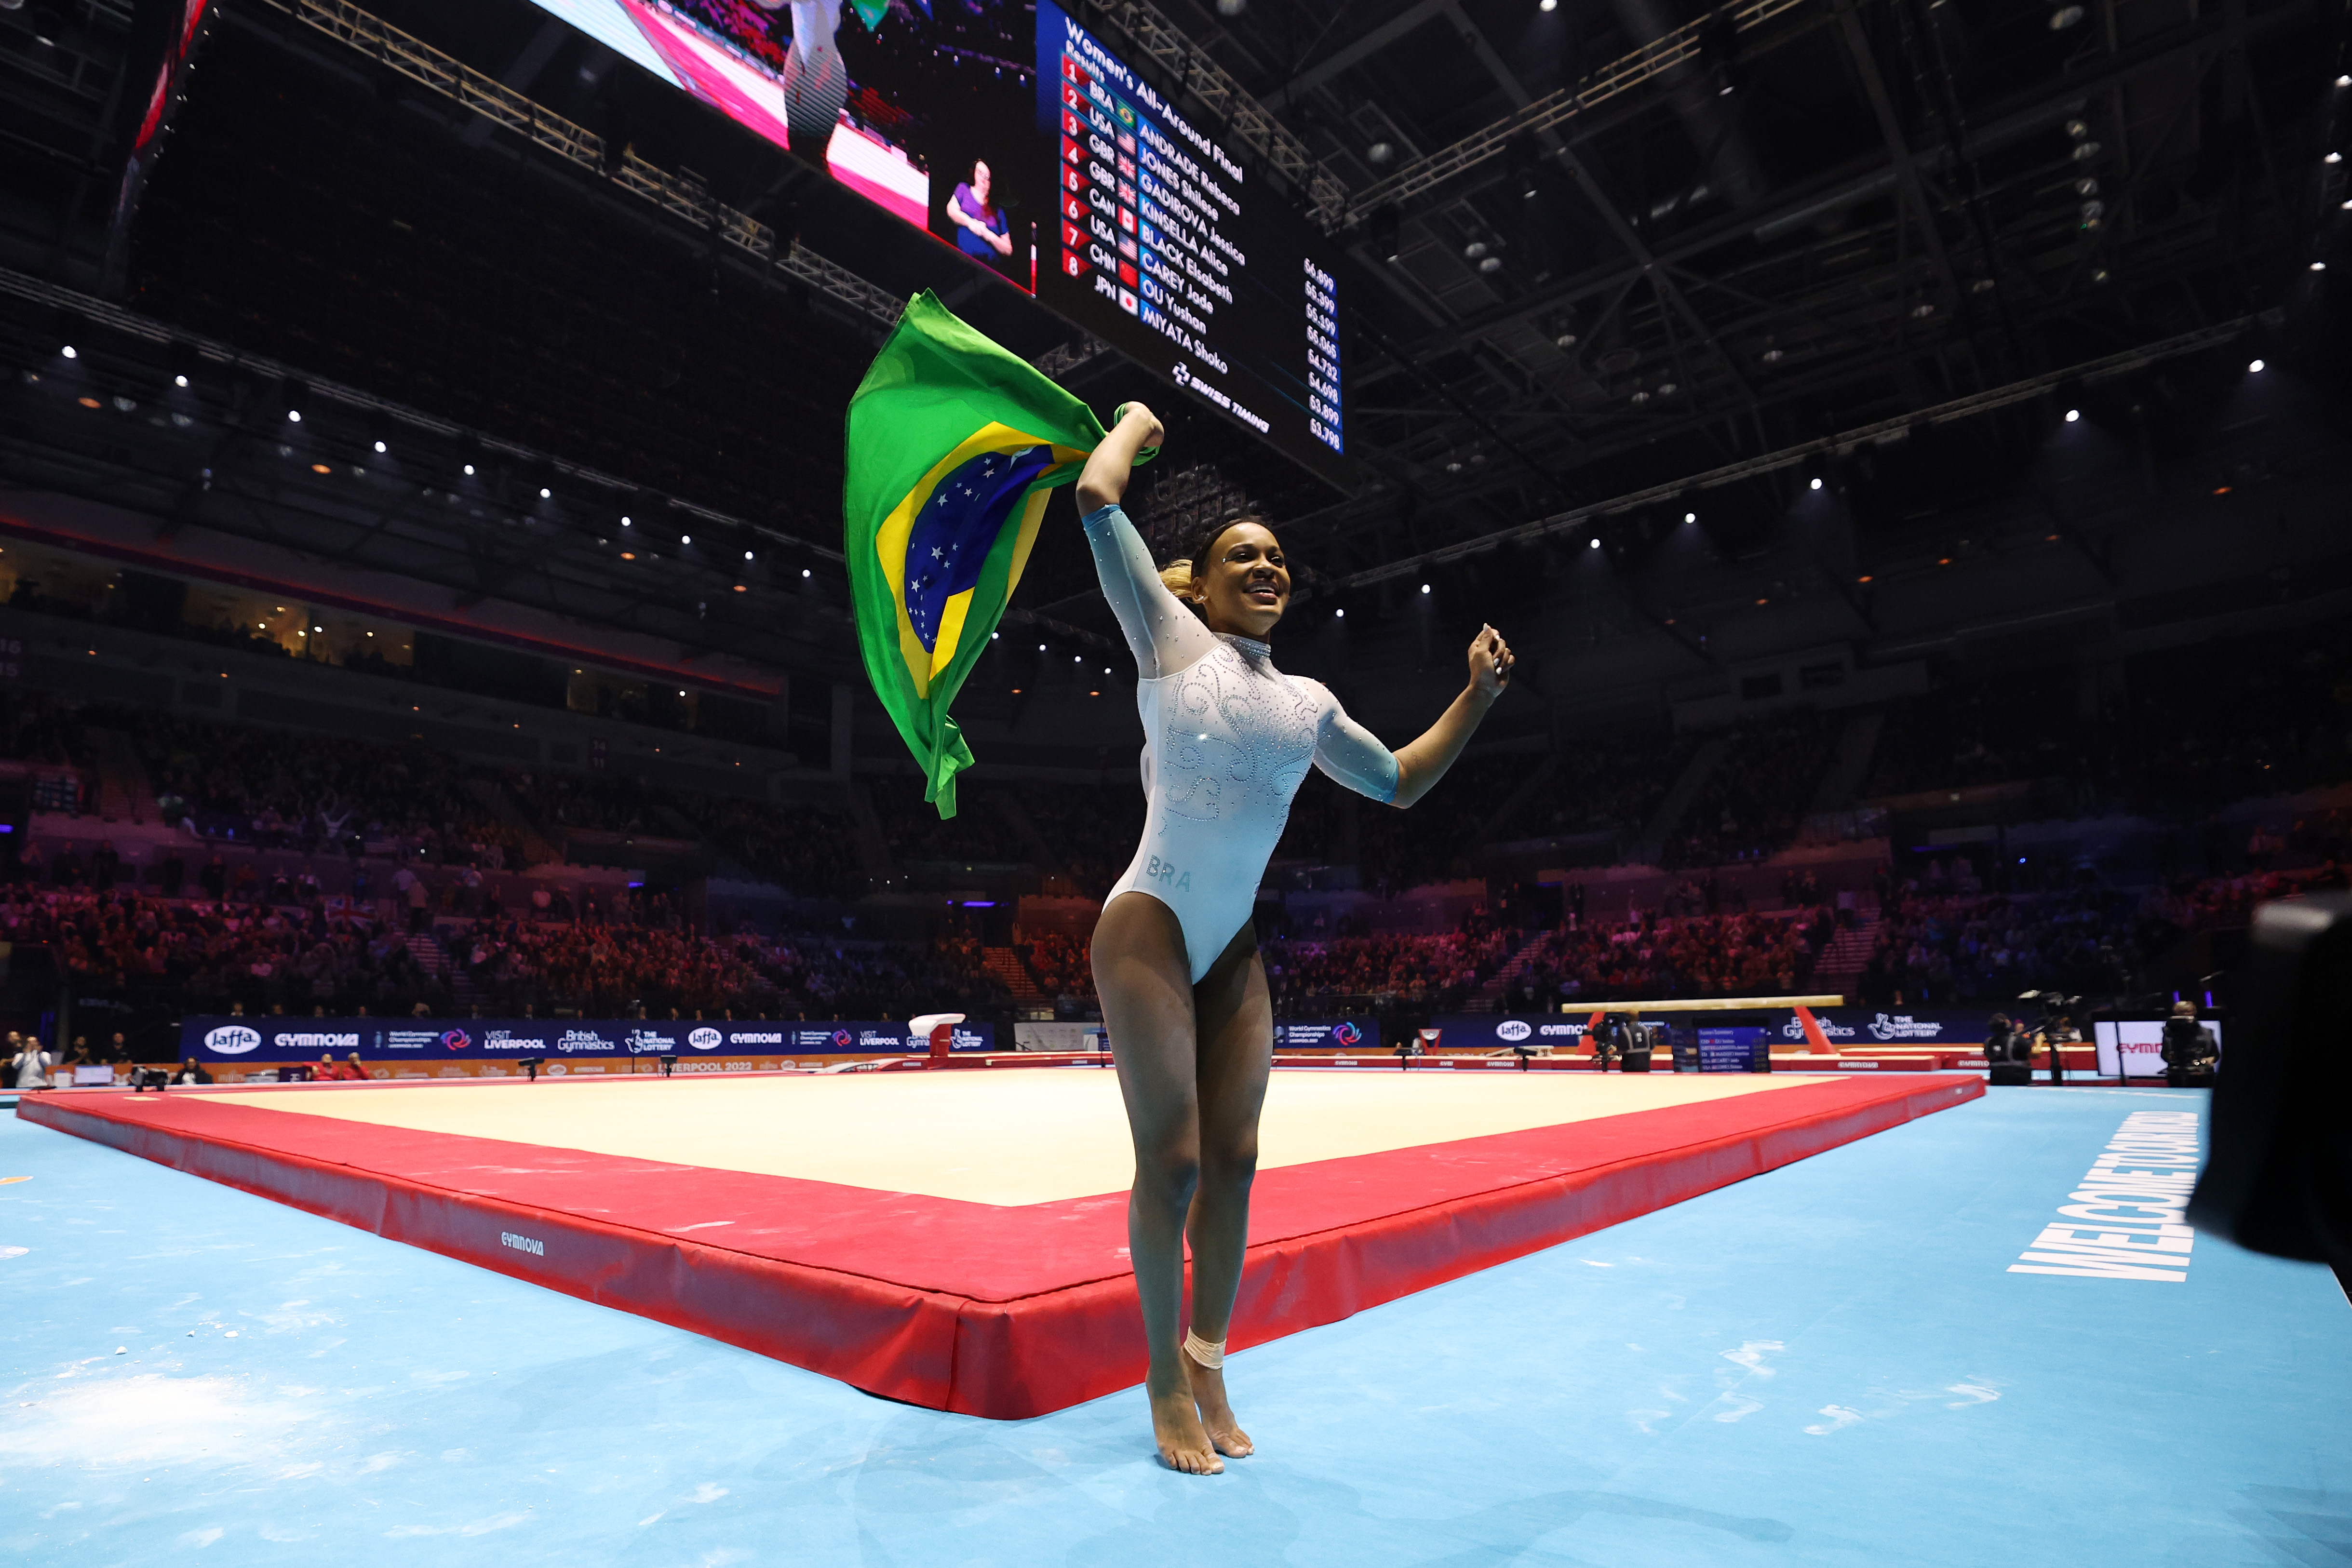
[1227, 741]
[980, 229]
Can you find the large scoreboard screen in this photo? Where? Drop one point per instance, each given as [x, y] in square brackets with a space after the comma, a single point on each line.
[1166, 247]
[1017, 136]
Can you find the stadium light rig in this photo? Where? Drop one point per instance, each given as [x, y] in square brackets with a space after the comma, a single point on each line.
[381, 449]
[1817, 481]
[2073, 415]
[2257, 367]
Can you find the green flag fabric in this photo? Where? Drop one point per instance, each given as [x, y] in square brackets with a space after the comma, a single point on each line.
[955, 444]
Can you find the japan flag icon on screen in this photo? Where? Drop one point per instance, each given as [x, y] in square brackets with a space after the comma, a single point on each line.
[1127, 300]
[1074, 264]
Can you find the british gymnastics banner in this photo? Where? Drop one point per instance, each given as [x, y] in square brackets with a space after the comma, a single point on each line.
[955, 446]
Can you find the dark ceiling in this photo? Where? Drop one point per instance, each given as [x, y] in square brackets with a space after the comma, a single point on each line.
[1890, 208]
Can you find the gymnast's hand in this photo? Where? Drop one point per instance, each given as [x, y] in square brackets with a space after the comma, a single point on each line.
[1490, 664]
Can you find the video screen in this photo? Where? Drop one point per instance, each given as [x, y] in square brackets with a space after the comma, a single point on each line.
[1007, 130]
[924, 106]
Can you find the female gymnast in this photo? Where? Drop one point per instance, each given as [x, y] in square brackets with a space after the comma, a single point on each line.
[1227, 741]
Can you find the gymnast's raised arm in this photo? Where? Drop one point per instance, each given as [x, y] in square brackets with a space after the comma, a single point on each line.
[1163, 636]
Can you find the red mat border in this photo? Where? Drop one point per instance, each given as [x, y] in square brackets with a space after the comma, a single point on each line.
[1034, 1354]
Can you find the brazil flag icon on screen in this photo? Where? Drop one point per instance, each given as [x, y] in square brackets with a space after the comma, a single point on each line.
[954, 446]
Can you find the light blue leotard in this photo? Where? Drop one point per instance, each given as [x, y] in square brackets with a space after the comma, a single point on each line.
[1227, 740]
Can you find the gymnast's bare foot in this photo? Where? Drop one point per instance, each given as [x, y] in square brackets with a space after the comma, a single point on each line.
[1176, 1428]
[1217, 1412]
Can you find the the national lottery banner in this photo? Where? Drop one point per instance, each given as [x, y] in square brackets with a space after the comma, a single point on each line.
[1326, 1034]
[380, 1041]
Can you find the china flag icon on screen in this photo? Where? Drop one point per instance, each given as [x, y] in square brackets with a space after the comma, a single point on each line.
[1127, 300]
[1071, 235]
[1074, 264]
[1127, 273]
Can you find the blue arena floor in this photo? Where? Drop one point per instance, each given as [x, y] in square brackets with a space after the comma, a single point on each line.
[1828, 1365]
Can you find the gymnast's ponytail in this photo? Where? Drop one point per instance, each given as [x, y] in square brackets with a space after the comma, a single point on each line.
[1178, 575]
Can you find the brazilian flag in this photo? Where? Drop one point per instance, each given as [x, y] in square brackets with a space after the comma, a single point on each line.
[955, 446]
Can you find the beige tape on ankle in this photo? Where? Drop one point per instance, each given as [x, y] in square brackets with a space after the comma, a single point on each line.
[1212, 1356]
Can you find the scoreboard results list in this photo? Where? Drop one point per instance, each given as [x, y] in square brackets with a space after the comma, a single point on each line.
[1165, 245]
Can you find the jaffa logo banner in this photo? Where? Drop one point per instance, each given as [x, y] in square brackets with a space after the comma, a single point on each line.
[233, 1040]
[705, 1038]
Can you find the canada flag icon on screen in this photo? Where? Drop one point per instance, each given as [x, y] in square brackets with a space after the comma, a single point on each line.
[1074, 264]
[1127, 300]
[1127, 219]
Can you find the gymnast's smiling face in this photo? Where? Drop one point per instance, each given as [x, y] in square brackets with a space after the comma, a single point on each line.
[1245, 585]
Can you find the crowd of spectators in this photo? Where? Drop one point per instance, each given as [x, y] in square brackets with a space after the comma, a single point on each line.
[1662, 956]
[1436, 970]
[804, 848]
[1754, 800]
[279, 789]
[608, 804]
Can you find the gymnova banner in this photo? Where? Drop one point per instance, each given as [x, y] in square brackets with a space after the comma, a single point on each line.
[1844, 1027]
[391, 1041]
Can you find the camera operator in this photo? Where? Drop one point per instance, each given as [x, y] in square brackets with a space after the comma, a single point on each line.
[2188, 1049]
[1608, 1041]
[2003, 1043]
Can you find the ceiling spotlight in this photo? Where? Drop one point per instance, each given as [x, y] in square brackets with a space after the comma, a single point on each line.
[1690, 517]
[1473, 250]
[1340, 614]
[1077, 658]
[1231, 7]
[1922, 311]
[1772, 356]
[1425, 587]
[2077, 129]
[380, 448]
[293, 416]
[747, 554]
[685, 538]
[2333, 158]
[1594, 543]
[2257, 367]
[1492, 264]
[1379, 152]
[1817, 483]
[804, 571]
[2065, 17]
[624, 522]
[2319, 267]
[2344, 81]
[1041, 647]
[1547, 4]
[68, 352]
[2073, 415]
[470, 474]
[179, 381]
